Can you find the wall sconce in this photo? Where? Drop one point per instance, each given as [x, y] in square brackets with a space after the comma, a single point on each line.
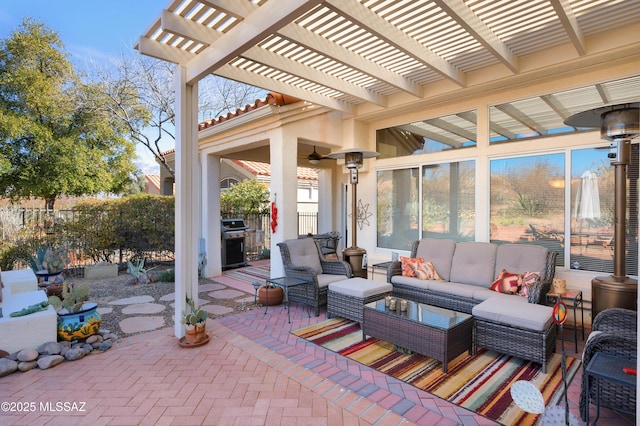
[353, 160]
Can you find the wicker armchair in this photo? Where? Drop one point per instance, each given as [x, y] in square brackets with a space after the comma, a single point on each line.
[614, 332]
[302, 260]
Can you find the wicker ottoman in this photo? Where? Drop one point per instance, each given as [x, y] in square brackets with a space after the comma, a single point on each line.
[346, 298]
[519, 329]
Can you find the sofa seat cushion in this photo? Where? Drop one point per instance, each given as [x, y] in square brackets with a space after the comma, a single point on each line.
[474, 263]
[325, 279]
[520, 315]
[410, 281]
[454, 289]
[482, 294]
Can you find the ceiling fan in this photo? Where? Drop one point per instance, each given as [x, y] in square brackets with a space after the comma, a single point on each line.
[314, 157]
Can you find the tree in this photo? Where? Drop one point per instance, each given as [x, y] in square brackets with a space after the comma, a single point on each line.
[245, 197]
[56, 138]
[140, 95]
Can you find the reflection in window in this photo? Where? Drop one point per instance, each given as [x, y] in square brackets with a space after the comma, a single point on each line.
[433, 135]
[527, 201]
[397, 208]
[592, 212]
[448, 201]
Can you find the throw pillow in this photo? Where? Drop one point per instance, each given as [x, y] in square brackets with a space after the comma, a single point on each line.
[506, 282]
[528, 278]
[410, 265]
[428, 271]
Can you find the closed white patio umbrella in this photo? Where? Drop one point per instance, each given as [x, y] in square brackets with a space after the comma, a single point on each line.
[587, 202]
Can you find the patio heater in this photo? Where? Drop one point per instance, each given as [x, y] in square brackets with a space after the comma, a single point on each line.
[618, 124]
[353, 161]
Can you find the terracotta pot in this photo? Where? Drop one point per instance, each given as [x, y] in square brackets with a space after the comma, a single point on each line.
[196, 334]
[276, 294]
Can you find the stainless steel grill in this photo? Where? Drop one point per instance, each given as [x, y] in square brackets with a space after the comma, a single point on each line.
[234, 248]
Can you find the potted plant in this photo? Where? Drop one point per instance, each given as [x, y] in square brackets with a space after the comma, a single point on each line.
[196, 321]
[48, 264]
[77, 318]
[270, 295]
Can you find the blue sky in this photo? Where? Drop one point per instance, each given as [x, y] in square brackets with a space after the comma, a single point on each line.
[90, 30]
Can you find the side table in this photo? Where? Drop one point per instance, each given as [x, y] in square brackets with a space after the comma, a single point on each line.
[285, 283]
[384, 265]
[575, 297]
[604, 366]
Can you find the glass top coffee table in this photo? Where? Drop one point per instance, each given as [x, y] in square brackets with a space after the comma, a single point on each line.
[436, 332]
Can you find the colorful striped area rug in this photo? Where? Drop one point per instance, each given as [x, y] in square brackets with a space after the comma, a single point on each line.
[479, 383]
[249, 274]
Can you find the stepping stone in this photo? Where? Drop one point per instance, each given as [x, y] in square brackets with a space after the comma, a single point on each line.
[170, 297]
[138, 324]
[217, 309]
[104, 311]
[226, 294]
[132, 300]
[211, 287]
[143, 308]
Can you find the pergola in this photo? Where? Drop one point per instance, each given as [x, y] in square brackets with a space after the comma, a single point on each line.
[363, 59]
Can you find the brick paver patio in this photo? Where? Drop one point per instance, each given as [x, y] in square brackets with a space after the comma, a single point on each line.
[252, 372]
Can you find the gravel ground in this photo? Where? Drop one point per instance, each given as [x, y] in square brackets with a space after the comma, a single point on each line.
[104, 291]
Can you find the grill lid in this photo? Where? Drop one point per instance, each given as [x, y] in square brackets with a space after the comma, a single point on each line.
[230, 225]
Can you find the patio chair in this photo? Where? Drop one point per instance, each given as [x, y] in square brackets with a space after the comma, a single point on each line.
[613, 332]
[302, 260]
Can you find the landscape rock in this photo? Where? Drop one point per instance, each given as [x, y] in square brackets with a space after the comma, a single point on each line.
[75, 353]
[93, 339]
[7, 366]
[50, 348]
[27, 365]
[29, 354]
[105, 345]
[49, 361]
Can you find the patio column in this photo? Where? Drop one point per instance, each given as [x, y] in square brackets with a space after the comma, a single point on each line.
[187, 194]
[284, 191]
[211, 214]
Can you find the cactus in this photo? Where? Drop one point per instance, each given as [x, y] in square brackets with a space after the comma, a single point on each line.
[194, 315]
[73, 297]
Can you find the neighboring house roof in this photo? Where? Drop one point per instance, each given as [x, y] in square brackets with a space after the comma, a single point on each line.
[264, 169]
[152, 184]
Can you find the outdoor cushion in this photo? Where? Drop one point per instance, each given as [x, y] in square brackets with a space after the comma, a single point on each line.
[519, 258]
[482, 294]
[527, 316]
[325, 279]
[360, 287]
[453, 288]
[506, 282]
[439, 252]
[304, 252]
[474, 263]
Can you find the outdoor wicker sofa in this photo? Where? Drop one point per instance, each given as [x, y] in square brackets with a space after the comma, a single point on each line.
[613, 332]
[467, 270]
[302, 259]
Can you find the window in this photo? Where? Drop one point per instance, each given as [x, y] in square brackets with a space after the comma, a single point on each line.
[433, 135]
[448, 201]
[592, 212]
[527, 201]
[228, 183]
[397, 213]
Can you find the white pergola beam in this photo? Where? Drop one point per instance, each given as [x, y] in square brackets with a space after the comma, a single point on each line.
[255, 79]
[468, 20]
[570, 24]
[363, 16]
[248, 33]
[163, 51]
[285, 64]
